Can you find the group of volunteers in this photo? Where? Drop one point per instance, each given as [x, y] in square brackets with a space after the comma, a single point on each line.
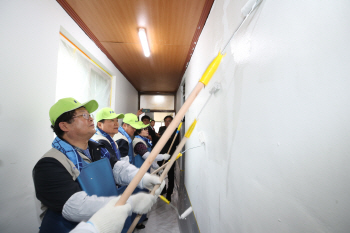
[107, 154]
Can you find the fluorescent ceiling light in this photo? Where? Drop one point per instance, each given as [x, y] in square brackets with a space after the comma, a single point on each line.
[144, 42]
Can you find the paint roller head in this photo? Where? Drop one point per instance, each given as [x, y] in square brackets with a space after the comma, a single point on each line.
[215, 88]
[186, 213]
[250, 6]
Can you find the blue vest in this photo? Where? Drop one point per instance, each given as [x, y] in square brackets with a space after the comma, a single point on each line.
[95, 179]
[131, 154]
[139, 160]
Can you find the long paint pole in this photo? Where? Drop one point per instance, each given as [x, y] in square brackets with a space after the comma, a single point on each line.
[171, 162]
[163, 166]
[162, 177]
[172, 143]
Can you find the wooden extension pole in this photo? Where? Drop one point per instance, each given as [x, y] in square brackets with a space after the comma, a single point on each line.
[163, 166]
[168, 132]
[172, 143]
[162, 177]
[168, 167]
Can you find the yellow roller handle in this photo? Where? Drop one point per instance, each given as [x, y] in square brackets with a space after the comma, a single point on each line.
[209, 72]
[177, 157]
[164, 199]
[178, 128]
[189, 131]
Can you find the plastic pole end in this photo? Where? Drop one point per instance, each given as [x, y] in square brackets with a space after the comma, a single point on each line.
[189, 131]
[211, 69]
[164, 199]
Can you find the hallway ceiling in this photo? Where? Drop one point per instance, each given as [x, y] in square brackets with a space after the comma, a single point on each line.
[172, 26]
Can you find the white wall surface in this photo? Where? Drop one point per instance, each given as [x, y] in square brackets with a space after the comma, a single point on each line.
[28, 65]
[277, 150]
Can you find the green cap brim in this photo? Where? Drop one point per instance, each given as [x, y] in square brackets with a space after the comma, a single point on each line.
[90, 106]
[111, 116]
[137, 125]
[66, 105]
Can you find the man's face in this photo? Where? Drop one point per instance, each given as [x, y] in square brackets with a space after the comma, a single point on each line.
[110, 126]
[80, 128]
[167, 121]
[146, 121]
[152, 123]
[129, 129]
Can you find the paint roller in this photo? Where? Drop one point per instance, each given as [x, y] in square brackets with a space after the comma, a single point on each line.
[206, 77]
[182, 216]
[246, 10]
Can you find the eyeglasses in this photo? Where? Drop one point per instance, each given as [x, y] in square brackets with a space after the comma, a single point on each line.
[145, 129]
[85, 115]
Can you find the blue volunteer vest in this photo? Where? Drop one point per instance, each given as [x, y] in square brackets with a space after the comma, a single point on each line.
[95, 179]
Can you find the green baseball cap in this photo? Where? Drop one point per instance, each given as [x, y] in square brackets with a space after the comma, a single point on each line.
[68, 104]
[142, 125]
[131, 119]
[107, 113]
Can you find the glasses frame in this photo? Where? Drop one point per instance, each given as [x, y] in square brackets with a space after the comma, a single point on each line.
[85, 116]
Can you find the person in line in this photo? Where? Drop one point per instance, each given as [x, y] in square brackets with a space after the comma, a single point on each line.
[143, 146]
[152, 123]
[106, 127]
[151, 133]
[56, 173]
[165, 149]
[124, 136]
[124, 141]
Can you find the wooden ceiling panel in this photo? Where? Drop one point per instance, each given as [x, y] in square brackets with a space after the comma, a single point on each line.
[171, 27]
[159, 72]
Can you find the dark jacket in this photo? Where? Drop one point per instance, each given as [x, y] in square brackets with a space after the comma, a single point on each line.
[170, 140]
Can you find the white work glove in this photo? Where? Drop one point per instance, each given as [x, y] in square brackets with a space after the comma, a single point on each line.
[111, 218]
[148, 181]
[159, 157]
[159, 190]
[165, 156]
[142, 202]
[155, 165]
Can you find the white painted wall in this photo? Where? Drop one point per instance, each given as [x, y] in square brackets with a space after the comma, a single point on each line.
[277, 154]
[28, 65]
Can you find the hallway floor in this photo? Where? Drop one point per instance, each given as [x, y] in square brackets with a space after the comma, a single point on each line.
[162, 218]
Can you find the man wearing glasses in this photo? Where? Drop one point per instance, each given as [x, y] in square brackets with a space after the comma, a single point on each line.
[55, 175]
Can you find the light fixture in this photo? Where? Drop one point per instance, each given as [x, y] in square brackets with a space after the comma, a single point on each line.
[144, 42]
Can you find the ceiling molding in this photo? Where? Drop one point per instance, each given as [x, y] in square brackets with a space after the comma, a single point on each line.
[201, 23]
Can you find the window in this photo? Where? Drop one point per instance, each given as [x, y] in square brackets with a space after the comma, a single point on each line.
[157, 103]
[79, 77]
